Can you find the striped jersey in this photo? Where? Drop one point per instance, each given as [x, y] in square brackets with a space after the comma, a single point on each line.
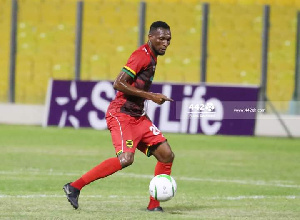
[141, 67]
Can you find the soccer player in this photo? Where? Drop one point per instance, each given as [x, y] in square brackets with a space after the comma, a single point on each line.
[129, 125]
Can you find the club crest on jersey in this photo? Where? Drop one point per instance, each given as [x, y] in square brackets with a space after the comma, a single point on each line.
[129, 143]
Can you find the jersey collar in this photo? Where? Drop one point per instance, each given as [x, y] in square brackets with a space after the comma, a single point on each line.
[151, 52]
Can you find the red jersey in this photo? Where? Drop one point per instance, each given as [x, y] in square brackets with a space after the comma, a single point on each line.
[141, 67]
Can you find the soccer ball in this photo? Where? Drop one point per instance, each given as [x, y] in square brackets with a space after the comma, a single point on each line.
[162, 187]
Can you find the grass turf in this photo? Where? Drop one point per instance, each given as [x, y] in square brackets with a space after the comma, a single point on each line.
[218, 177]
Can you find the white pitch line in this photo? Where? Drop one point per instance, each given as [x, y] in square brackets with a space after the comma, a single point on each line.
[254, 197]
[63, 196]
[273, 183]
[244, 182]
[40, 172]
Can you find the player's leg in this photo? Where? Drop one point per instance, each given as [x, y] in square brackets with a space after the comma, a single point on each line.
[163, 152]
[165, 157]
[124, 147]
[154, 143]
[126, 159]
[104, 169]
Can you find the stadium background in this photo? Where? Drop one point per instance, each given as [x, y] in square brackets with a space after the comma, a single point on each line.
[218, 177]
[46, 35]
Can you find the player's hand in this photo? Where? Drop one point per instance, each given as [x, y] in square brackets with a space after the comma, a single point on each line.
[159, 98]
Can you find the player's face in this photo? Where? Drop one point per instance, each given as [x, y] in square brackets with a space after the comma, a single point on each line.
[160, 40]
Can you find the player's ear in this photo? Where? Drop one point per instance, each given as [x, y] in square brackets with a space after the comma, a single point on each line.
[150, 37]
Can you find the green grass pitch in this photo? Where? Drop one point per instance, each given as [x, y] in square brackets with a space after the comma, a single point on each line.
[218, 177]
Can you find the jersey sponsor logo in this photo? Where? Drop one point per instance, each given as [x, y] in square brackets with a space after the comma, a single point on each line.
[129, 143]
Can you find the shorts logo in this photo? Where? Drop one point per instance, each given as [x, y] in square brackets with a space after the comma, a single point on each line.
[129, 143]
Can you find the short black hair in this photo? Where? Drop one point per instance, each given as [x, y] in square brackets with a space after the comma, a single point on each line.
[159, 24]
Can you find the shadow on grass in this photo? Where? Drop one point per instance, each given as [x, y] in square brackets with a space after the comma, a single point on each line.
[180, 210]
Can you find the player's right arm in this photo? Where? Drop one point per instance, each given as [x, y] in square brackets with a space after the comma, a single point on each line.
[123, 84]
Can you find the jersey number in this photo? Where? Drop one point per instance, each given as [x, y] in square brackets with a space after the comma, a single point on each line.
[154, 129]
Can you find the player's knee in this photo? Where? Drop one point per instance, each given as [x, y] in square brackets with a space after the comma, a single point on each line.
[167, 157]
[171, 157]
[126, 159]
